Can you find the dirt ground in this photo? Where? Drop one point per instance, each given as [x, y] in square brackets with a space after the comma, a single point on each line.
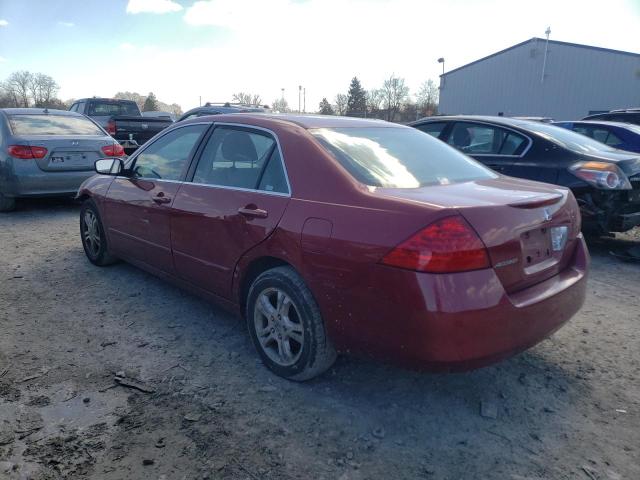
[111, 373]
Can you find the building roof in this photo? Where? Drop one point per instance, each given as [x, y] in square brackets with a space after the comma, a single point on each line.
[551, 42]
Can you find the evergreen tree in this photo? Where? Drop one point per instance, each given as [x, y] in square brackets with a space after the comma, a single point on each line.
[150, 103]
[356, 99]
[326, 108]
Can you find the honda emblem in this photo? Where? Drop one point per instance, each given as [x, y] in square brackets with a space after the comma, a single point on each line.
[547, 214]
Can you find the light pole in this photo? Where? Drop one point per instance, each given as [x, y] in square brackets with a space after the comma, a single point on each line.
[546, 50]
[304, 100]
[299, 98]
[441, 60]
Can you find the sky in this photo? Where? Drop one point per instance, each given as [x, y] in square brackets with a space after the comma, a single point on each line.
[186, 49]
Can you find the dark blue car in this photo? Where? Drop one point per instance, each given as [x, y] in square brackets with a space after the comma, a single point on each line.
[623, 136]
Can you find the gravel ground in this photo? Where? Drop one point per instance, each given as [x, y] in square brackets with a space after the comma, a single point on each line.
[111, 373]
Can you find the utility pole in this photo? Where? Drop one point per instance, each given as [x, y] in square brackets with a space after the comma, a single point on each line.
[299, 98]
[200, 101]
[304, 100]
[546, 50]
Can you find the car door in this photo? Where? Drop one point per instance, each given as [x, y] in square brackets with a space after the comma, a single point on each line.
[138, 207]
[234, 200]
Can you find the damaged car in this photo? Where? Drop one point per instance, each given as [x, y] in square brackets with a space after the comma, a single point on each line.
[604, 180]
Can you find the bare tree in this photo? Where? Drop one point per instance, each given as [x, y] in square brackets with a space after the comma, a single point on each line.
[247, 98]
[341, 104]
[280, 105]
[135, 96]
[428, 97]
[43, 89]
[17, 85]
[374, 101]
[394, 92]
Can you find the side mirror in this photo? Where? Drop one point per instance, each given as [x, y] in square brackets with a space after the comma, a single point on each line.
[109, 166]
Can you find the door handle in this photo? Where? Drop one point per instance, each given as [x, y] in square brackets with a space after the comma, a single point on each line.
[160, 198]
[253, 211]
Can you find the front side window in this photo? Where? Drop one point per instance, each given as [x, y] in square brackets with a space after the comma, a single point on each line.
[398, 157]
[167, 156]
[43, 124]
[481, 139]
[241, 158]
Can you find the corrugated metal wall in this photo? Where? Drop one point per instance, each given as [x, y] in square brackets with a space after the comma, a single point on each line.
[577, 80]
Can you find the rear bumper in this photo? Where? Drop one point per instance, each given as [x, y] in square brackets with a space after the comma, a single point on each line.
[456, 321]
[23, 178]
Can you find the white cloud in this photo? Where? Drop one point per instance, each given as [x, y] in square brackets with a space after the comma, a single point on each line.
[2, 59]
[3, 23]
[153, 6]
[67, 24]
[260, 47]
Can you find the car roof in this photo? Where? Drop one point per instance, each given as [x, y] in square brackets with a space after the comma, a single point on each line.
[597, 122]
[39, 111]
[506, 121]
[304, 121]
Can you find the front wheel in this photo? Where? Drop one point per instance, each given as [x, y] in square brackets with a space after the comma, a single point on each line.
[94, 241]
[286, 327]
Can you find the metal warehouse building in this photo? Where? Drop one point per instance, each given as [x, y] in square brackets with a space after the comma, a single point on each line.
[535, 78]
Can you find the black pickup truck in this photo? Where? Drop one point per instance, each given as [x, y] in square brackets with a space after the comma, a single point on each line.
[122, 120]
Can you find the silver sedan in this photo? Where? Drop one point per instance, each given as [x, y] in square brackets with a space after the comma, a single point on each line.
[48, 152]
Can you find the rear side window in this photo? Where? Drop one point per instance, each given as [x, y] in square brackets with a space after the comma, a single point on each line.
[112, 108]
[432, 128]
[52, 125]
[398, 157]
[481, 139]
[243, 159]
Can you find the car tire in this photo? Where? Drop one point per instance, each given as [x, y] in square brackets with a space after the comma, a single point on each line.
[7, 204]
[289, 335]
[94, 241]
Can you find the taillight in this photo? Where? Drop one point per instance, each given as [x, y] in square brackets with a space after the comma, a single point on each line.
[111, 127]
[447, 245]
[114, 150]
[25, 152]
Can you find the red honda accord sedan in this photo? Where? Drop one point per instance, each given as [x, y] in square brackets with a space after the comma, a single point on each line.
[333, 235]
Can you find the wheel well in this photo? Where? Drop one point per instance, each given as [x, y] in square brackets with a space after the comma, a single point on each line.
[256, 267]
[83, 197]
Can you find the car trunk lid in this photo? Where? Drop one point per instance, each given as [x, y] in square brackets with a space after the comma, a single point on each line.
[515, 219]
[69, 153]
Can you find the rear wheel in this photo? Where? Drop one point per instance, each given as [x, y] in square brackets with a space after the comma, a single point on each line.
[286, 327]
[7, 204]
[94, 240]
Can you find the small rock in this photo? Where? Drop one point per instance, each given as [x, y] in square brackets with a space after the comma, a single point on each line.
[160, 443]
[379, 432]
[147, 462]
[121, 374]
[268, 389]
[86, 400]
[489, 410]
[192, 417]
[349, 455]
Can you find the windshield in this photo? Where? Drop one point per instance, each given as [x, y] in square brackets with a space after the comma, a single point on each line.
[52, 125]
[113, 108]
[398, 157]
[568, 138]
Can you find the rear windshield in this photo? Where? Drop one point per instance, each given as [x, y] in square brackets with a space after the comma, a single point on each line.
[398, 157]
[113, 108]
[52, 125]
[568, 138]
